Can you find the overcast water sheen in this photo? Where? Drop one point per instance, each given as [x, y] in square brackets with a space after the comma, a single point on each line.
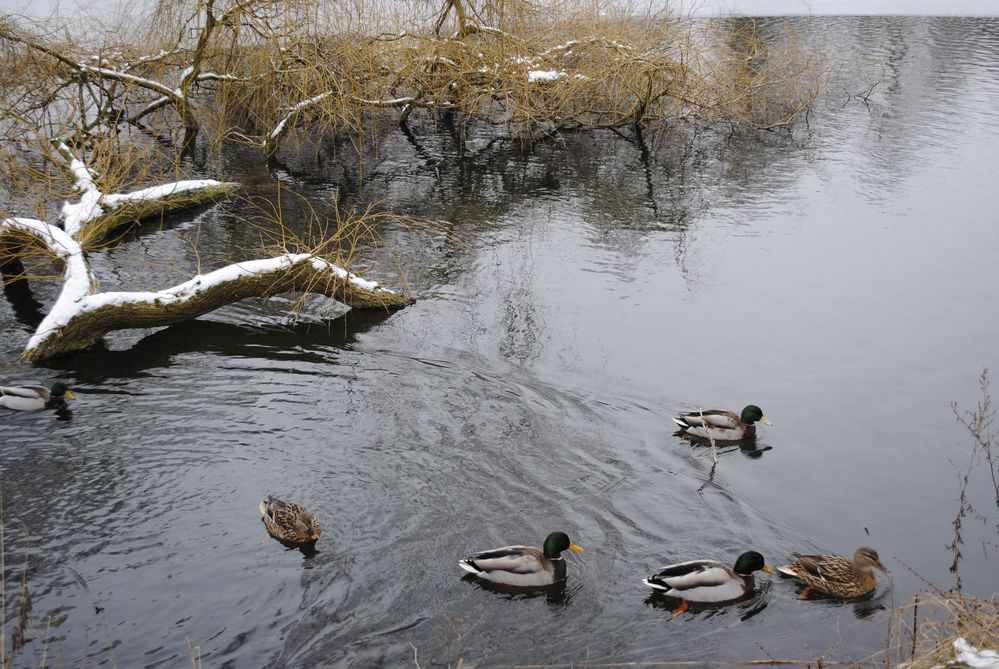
[572, 299]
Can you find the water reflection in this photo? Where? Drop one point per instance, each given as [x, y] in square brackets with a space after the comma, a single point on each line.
[308, 551]
[27, 309]
[862, 607]
[746, 607]
[559, 594]
[749, 447]
[303, 341]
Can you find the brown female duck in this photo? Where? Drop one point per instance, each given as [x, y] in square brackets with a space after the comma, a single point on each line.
[835, 575]
[288, 522]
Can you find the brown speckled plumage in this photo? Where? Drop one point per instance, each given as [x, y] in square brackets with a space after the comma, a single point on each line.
[289, 522]
[835, 575]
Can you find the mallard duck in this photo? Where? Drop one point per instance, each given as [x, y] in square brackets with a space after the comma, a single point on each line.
[27, 398]
[707, 580]
[721, 425]
[835, 575]
[289, 522]
[523, 566]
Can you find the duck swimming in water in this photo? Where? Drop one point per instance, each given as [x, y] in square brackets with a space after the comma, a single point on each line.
[522, 566]
[29, 398]
[720, 424]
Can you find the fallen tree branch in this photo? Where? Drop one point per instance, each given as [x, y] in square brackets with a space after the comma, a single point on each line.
[79, 324]
[122, 208]
[80, 318]
[97, 214]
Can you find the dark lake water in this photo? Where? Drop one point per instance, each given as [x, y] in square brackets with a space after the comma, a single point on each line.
[572, 298]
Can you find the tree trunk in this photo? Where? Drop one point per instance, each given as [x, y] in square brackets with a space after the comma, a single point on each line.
[88, 320]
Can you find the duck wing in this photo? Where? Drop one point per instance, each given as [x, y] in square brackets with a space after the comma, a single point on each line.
[820, 567]
[23, 397]
[687, 575]
[709, 418]
[514, 559]
[27, 392]
[698, 581]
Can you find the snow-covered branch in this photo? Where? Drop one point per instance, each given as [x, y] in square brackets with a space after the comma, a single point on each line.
[275, 135]
[79, 318]
[96, 214]
[470, 27]
[96, 70]
[178, 96]
[78, 280]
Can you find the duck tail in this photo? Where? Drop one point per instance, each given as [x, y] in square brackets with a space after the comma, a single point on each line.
[469, 566]
[264, 504]
[786, 570]
[681, 423]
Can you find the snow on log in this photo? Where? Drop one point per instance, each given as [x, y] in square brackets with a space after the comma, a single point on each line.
[120, 208]
[77, 321]
[97, 214]
[78, 279]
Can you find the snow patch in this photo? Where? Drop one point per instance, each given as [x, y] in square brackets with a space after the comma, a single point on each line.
[75, 215]
[973, 657]
[115, 200]
[545, 75]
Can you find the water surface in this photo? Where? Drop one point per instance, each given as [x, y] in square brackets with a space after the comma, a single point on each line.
[573, 297]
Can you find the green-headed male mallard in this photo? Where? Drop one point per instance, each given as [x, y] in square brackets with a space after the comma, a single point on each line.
[522, 566]
[835, 575]
[707, 580]
[721, 425]
[288, 522]
[27, 398]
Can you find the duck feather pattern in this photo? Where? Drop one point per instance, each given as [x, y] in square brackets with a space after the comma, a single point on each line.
[699, 581]
[523, 566]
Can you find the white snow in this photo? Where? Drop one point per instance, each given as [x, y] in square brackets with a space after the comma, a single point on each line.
[295, 108]
[75, 215]
[76, 296]
[560, 47]
[440, 59]
[545, 75]
[115, 200]
[184, 76]
[352, 279]
[971, 656]
[216, 76]
[84, 179]
[278, 129]
[311, 101]
[393, 102]
[124, 76]
[78, 280]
